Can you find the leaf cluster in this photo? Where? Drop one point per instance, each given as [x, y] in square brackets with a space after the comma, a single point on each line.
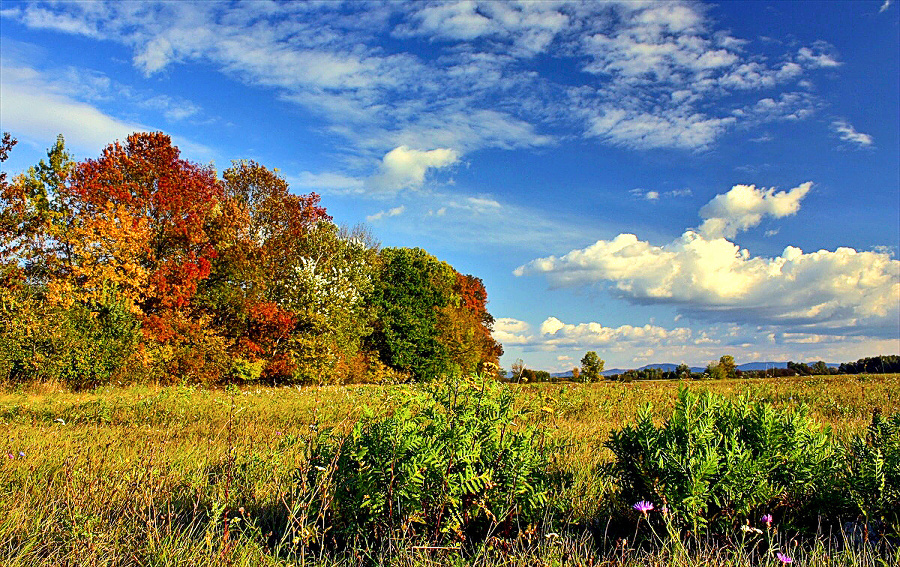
[717, 463]
[228, 279]
[453, 463]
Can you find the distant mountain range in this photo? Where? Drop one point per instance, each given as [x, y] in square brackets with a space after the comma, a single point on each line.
[668, 367]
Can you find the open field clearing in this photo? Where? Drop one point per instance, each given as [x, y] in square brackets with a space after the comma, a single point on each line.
[182, 476]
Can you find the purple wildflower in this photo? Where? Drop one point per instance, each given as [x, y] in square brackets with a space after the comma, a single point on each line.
[784, 558]
[643, 507]
[22, 454]
[767, 520]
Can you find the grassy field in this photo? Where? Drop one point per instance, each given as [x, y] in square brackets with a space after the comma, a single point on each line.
[183, 476]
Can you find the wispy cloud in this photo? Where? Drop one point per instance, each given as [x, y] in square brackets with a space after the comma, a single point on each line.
[656, 195]
[87, 128]
[396, 211]
[656, 75]
[848, 133]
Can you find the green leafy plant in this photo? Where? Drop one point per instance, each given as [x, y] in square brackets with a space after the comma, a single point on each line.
[717, 462]
[452, 463]
[873, 473]
[83, 345]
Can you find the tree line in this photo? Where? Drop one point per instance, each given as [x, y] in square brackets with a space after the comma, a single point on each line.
[140, 264]
[723, 369]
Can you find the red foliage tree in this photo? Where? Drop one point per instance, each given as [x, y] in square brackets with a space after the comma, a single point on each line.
[145, 183]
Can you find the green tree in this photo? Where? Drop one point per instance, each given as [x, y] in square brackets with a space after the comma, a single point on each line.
[591, 367]
[820, 368]
[38, 216]
[683, 371]
[714, 371]
[726, 363]
[410, 291]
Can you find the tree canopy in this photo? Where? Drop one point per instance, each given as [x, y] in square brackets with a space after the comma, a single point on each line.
[214, 279]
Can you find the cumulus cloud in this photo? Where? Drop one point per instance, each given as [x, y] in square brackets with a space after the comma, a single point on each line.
[840, 292]
[510, 332]
[405, 168]
[558, 334]
[631, 347]
[554, 334]
[818, 56]
[744, 206]
[848, 133]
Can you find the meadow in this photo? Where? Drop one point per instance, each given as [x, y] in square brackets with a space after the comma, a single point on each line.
[152, 475]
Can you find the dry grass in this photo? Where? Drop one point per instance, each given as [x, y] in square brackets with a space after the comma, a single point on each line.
[149, 475]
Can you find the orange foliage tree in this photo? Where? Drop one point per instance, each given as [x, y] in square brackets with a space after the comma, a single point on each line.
[144, 215]
[232, 278]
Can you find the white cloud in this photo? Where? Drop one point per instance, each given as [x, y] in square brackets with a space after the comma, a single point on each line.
[848, 133]
[656, 195]
[396, 211]
[510, 332]
[840, 292]
[744, 206]
[663, 73]
[633, 346]
[328, 182]
[86, 128]
[885, 6]
[555, 333]
[818, 56]
[40, 18]
[452, 20]
[645, 130]
[405, 168]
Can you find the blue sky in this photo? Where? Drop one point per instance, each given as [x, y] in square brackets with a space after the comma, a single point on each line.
[659, 182]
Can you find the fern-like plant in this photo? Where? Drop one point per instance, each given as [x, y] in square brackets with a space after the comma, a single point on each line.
[873, 473]
[452, 463]
[717, 463]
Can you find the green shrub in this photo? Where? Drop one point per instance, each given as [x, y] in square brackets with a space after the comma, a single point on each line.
[450, 464]
[873, 473]
[245, 371]
[84, 345]
[717, 463]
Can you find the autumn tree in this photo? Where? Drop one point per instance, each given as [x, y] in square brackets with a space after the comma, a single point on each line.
[145, 213]
[259, 236]
[466, 326]
[38, 218]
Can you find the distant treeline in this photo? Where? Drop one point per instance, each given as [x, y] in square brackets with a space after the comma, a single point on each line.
[142, 265]
[723, 369]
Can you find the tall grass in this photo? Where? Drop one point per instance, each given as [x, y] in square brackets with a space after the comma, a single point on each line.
[182, 476]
